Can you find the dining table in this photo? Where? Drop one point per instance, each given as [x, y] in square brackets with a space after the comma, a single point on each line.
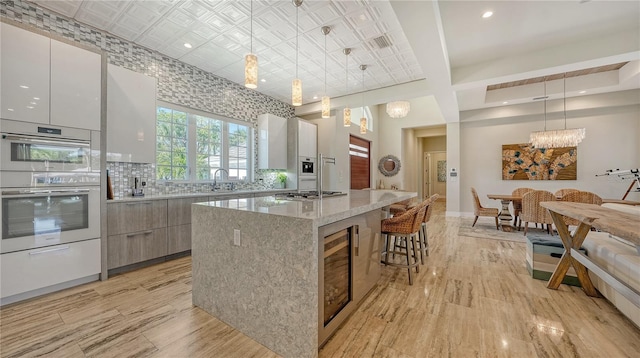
[505, 216]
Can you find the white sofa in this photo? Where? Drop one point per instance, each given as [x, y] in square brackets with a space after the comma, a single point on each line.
[620, 258]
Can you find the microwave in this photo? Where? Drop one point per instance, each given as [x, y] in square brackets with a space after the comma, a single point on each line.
[33, 147]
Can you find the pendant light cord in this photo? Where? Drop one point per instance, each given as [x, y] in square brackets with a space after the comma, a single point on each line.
[564, 98]
[251, 26]
[325, 64]
[297, 29]
[545, 104]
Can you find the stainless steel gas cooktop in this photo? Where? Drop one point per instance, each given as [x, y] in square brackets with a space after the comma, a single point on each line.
[294, 195]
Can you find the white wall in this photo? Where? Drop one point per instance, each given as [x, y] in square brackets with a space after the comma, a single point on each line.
[611, 142]
[404, 144]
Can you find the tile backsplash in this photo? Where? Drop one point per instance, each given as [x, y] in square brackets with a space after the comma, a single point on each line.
[178, 83]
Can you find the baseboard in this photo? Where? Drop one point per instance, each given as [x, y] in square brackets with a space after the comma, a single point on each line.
[49, 289]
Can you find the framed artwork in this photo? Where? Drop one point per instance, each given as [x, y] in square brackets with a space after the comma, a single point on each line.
[523, 162]
[442, 170]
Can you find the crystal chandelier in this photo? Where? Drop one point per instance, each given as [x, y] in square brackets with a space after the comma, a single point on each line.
[398, 109]
[326, 102]
[251, 60]
[296, 84]
[363, 120]
[561, 137]
[346, 112]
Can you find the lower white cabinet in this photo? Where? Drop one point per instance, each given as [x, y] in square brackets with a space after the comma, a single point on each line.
[24, 271]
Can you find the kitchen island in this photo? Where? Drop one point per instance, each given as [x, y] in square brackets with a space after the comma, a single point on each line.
[257, 262]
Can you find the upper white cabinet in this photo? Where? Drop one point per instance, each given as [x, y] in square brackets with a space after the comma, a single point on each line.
[24, 89]
[131, 116]
[307, 139]
[75, 86]
[47, 81]
[272, 142]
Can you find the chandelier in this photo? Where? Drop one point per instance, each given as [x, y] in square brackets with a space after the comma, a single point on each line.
[346, 112]
[398, 109]
[561, 137]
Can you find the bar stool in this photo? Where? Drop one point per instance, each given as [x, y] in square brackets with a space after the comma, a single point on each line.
[423, 243]
[405, 227]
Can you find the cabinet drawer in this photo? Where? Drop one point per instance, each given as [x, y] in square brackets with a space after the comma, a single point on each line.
[29, 270]
[180, 210]
[136, 247]
[136, 216]
[178, 239]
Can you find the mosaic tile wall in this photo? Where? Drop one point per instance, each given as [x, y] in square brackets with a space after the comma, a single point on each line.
[178, 83]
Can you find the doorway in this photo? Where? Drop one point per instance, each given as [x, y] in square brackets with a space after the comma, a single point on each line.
[435, 174]
[360, 162]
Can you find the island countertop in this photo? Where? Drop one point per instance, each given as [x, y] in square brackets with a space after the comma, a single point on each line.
[321, 212]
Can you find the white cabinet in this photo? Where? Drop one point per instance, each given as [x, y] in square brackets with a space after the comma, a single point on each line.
[24, 65]
[307, 139]
[47, 81]
[272, 142]
[28, 270]
[75, 86]
[131, 116]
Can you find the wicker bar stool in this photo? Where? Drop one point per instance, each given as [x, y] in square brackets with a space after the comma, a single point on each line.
[404, 227]
[400, 207]
[423, 243]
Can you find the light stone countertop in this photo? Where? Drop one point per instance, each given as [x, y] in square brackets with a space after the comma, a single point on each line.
[221, 194]
[321, 212]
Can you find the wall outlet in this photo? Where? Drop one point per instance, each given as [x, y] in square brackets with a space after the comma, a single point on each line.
[236, 237]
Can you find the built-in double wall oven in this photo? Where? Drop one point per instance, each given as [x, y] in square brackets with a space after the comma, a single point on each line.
[49, 185]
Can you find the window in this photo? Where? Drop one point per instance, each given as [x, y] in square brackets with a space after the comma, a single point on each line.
[192, 145]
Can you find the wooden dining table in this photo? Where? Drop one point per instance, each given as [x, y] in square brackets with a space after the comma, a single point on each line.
[505, 216]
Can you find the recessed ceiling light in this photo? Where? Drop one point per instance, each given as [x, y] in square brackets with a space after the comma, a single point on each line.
[263, 80]
[23, 86]
[315, 97]
[187, 45]
[30, 107]
[32, 102]
[581, 92]
[505, 102]
[10, 109]
[36, 98]
[487, 14]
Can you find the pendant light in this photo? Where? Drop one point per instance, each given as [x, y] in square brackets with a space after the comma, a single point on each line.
[557, 138]
[363, 120]
[251, 60]
[296, 84]
[346, 112]
[326, 102]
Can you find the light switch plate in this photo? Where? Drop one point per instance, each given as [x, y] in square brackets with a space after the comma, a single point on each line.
[236, 237]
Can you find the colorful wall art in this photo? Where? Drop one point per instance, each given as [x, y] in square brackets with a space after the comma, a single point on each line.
[523, 162]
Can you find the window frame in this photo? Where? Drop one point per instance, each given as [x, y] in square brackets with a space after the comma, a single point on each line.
[192, 145]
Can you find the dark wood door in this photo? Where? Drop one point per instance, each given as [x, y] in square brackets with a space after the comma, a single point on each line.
[359, 152]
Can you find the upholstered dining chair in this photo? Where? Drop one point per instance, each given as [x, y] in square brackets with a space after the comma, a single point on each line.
[532, 212]
[479, 210]
[561, 192]
[404, 227]
[517, 205]
[578, 196]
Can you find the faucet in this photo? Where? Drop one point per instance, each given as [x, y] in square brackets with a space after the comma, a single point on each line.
[321, 162]
[215, 174]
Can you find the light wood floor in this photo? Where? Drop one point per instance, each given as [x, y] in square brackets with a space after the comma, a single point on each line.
[474, 298]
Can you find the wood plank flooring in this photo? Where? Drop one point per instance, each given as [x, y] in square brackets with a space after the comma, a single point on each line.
[473, 298]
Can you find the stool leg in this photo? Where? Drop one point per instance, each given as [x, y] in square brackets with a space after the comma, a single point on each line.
[409, 262]
[416, 251]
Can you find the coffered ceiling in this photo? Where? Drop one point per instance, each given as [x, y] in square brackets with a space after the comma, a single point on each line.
[444, 49]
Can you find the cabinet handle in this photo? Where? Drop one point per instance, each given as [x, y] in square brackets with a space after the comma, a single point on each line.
[357, 233]
[140, 203]
[140, 233]
[62, 248]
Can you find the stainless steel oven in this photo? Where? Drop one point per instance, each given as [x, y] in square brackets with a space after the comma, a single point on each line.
[37, 217]
[34, 147]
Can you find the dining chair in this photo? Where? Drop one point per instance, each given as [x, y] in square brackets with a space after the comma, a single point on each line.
[532, 212]
[561, 192]
[517, 204]
[479, 210]
[578, 196]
